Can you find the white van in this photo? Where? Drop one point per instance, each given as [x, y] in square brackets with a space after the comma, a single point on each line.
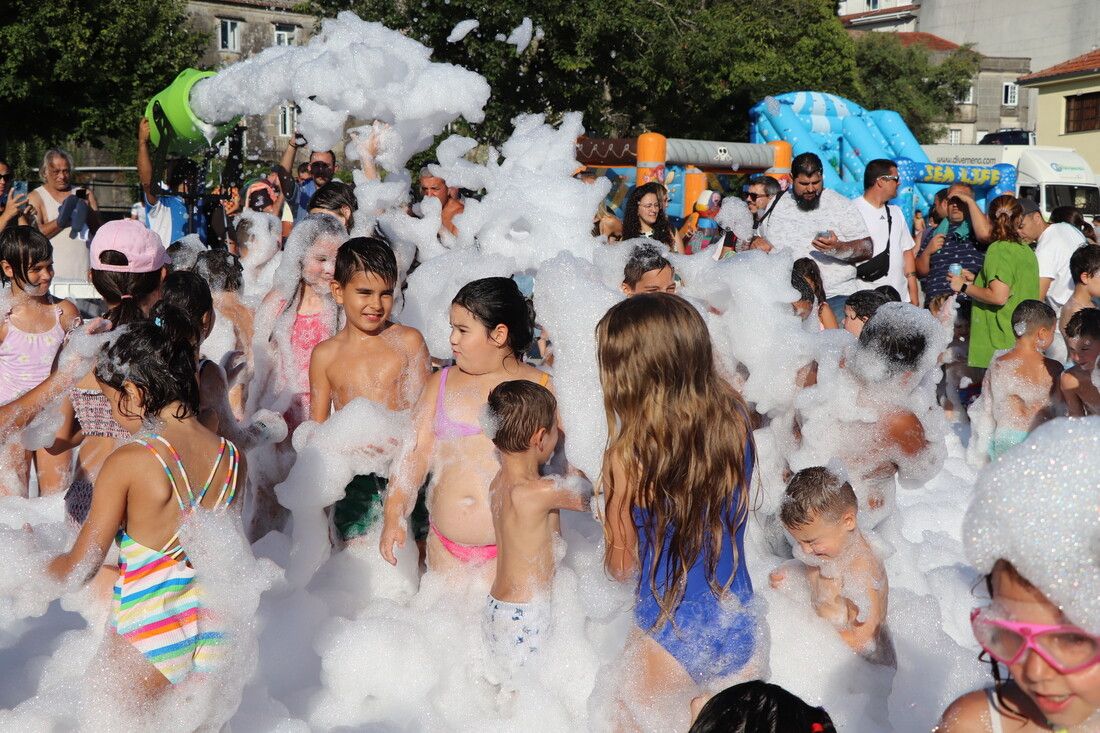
[1051, 177]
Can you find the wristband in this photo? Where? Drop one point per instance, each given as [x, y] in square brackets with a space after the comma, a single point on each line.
[964, 287]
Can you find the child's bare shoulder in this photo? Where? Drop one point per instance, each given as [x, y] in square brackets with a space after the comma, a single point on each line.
[407, 335]
[326, 351]
[968, 714]
[1071, 378]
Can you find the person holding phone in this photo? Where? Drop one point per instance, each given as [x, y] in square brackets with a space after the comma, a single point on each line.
[66, 215]
[322, 169]
[13, 198]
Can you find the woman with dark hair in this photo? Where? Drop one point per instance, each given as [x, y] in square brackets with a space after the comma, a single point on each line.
[645, 216]
[1072, 215]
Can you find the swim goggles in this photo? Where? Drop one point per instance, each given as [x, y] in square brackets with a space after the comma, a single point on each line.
[1067, 649]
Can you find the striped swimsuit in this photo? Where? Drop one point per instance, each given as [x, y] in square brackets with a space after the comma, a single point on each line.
[157, 601]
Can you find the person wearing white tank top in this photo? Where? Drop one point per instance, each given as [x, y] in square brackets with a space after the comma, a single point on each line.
[70, 248]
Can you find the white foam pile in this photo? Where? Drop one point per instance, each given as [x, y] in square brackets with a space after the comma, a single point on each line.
[340, 640]
[352, 69]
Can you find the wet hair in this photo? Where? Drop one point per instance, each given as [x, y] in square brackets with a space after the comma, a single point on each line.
[1031, 315]
[632, 223]
[156, 360]
[243, 230]
[188, 293]
[1084, 260]
[891, 293]
[806, 164]
[366, 254]
[935, 303]
[222, 270]
[22, 247]
[332, 196]
[1005, 215]
[126, 290]
[657, 370]
[805, 289]
[179, 170]
[494, 301]
[645, 258]
[875, 170]
[1084, 323]
[760, 707]
[865, 303]
[899, 342]
[518, 409]
[816, 492]
[805, 269]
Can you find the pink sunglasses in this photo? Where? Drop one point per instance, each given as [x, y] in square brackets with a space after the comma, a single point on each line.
[1067, 649]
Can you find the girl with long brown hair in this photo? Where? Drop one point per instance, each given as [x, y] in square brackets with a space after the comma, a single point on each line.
[1009, 275]
[676, 477]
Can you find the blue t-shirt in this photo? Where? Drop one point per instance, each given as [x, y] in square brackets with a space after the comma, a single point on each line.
[168, 218]
[959, 246]
[305, 193]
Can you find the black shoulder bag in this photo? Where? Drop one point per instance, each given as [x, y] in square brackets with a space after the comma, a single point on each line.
[877, 267]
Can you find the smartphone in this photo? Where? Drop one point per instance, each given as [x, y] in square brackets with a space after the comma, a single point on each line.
[81, 193]
[19, 188]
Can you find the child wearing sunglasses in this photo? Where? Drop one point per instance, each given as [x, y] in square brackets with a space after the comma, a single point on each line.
[1042, 625]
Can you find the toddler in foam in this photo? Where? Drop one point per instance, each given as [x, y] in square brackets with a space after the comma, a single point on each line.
[848, 585]
[525, 506]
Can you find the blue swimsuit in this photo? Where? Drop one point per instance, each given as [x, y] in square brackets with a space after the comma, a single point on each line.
[708, 640]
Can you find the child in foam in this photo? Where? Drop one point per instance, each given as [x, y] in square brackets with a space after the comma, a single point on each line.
[370, 357]
[30, 337]
[142, 496]
[526, 522]
[1020, 387]
[1084, 268]
[848, 584]
[295, 316]
[676, 508]
[648, 271]
[128, 263]
[491, 328]
[1078, 386]
[230, 340]
[1033, 529]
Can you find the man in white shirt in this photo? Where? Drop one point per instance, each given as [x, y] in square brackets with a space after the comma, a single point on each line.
[1055, 244]
[812, 221]
[889, 231]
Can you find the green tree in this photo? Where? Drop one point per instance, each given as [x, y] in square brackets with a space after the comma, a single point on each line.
[686, 68]
[82, 70]
[921, 86]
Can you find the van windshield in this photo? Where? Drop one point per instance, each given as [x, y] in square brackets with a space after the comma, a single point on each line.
[1084, 198]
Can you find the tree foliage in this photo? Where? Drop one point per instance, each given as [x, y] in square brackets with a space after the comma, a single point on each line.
[910, 80]
[684, 68]
[82, 70]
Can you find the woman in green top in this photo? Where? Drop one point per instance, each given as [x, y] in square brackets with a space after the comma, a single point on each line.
[1009, 275]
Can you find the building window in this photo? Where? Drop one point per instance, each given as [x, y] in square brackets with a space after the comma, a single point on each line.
[230, 36]
[968, 97]
[287, 120]
[285, 34]
[872, 4]
[1008, 94]
[1083, 112]
[954, 136]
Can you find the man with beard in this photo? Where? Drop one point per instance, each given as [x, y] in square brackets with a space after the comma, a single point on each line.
[812, 221]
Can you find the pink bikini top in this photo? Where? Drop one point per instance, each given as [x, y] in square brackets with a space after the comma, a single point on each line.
[444, 427]
[447, 429]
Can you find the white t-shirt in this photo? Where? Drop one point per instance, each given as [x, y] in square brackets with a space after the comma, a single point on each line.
[901, 241]
[789, 227]
[1054, 248]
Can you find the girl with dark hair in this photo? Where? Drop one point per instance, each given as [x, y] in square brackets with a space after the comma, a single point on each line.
[759, 707]
[491, 327]
[806, 269]
[1009, 276]
[31, 334]
[233, 322]
[128, 265]
[335, 198]
[143, 495]
[644, 216]
[676, 508]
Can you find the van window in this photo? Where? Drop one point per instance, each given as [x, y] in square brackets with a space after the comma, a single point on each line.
[1085, 198]
[1030, 192]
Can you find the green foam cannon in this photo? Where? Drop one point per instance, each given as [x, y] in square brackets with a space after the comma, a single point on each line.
[174, 129]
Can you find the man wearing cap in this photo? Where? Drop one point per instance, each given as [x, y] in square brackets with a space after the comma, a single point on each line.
[166, 213]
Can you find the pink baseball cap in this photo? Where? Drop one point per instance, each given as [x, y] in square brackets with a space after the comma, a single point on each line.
[141, 245]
